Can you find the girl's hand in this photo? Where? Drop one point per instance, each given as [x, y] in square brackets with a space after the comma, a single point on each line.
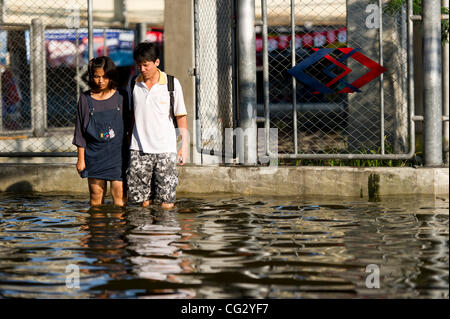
[81, 166]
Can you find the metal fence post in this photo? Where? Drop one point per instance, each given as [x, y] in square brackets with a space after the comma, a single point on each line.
[90, 30]
[380, 59]
[2, 11]
[445, 94]
[141, 32]
[105, 43]
[294, 83]
[38, 62]
[247, 78]
[124, 13]
[432, 77]
[1, 101]
[77, 63]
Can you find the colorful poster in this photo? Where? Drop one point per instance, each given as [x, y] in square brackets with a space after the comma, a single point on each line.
[63, 51]
[3, 43]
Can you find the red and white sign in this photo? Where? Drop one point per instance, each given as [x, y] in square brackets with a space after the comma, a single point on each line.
[305, 40]
[154, 36]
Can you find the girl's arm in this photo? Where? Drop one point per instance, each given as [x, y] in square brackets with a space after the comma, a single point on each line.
[81, 164]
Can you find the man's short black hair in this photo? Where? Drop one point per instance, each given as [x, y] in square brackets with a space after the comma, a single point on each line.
[146, 51]
[108, 66]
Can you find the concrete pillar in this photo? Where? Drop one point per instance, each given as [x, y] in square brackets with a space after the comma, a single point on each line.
[120, 12]
[364, 108]
[395, 46]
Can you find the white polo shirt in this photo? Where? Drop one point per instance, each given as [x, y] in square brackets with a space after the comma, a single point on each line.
[153, 130]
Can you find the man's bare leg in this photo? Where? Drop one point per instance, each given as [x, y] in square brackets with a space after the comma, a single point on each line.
[146, 203]
[167, 205]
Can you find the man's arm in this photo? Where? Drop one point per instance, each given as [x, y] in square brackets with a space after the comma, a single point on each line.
[129, 127]
[183, 153]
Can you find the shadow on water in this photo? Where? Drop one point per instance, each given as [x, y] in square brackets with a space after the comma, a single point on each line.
[224, 247]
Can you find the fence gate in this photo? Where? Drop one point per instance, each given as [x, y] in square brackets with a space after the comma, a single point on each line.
[215, 61]
[334, 77]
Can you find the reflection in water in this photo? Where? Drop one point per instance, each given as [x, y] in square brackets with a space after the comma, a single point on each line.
[104, 244]
[224, 247]
[153, 237]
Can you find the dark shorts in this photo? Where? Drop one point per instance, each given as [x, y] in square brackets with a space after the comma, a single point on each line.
[152, 177]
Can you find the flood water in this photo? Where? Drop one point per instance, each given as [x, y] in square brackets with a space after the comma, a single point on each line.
[224, 247]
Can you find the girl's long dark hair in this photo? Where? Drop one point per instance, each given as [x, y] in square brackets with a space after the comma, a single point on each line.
[108, 66]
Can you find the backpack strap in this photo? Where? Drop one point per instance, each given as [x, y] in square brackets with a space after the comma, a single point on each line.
[119, 106]
[171, 88]
[131, 89]
[91, 107]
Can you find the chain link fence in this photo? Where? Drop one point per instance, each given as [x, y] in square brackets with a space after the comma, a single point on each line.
[342, 105]
[352, 93]
[40, 64]
[43, 64]
[336, 110]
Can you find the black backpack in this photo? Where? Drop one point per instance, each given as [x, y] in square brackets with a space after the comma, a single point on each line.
[170, 88]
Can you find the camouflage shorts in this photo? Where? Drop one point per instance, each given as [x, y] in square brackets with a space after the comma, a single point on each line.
[152, 177]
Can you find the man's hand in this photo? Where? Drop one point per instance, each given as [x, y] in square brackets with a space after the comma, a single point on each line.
[183, 153]
[182, 156]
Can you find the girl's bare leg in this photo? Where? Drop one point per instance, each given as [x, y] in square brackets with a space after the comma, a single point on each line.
[97, 191]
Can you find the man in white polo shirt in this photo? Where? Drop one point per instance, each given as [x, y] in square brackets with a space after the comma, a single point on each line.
[152, 173]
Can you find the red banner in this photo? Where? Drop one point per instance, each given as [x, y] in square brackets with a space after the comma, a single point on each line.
[305, 40]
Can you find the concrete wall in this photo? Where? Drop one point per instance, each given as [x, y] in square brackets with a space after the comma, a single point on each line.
[281, 181]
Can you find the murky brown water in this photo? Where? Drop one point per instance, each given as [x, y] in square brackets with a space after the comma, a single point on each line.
[224, 247]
